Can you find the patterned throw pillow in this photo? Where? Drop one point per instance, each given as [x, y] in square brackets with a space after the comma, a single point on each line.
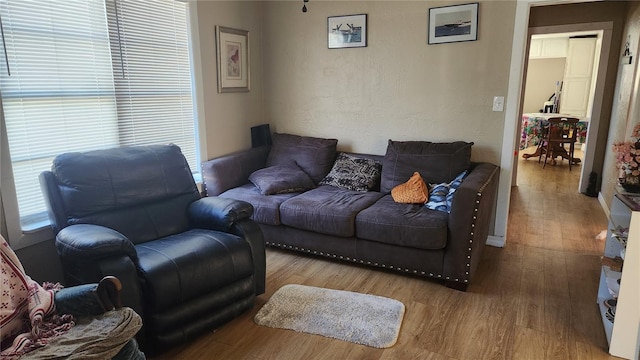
[353, 173]
[441, 195]
[413, 191]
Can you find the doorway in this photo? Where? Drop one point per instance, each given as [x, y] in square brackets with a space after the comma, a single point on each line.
[513, 105]
[545, 74]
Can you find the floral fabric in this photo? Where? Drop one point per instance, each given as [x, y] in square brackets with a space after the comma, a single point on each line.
[27, 310]
[532, 131]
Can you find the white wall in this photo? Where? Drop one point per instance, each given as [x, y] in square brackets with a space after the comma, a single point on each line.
[226, 118]
[542, 75]
[398, 87]
[626, 105]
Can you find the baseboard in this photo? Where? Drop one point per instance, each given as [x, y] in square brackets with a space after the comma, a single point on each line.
[603, 204]
[495, 241]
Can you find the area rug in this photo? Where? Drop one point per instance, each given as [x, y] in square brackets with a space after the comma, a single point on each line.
[349, 316]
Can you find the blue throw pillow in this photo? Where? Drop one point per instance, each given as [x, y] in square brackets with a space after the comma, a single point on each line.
[441, 195]
[438, 197]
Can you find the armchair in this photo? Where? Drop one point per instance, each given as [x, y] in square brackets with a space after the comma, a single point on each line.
[187, 264]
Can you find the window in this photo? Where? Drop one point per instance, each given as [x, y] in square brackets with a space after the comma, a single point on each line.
[83, 75]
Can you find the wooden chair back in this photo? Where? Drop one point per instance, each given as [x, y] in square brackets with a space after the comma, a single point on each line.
[560, 131]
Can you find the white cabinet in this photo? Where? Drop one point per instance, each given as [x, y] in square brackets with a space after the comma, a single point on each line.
[548, 48]
[623, 330]
[576, 89]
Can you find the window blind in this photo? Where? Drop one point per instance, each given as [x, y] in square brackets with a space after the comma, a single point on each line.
[152, 73]
[78, 76]
[60, 95]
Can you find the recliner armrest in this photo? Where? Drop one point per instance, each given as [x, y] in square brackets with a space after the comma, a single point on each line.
[93, 242]
[216, 213]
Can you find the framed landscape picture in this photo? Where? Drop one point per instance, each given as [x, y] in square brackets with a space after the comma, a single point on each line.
[347, 31]
[233, 59]
[453, 23]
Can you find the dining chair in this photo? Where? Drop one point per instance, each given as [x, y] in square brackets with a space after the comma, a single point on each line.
[560, 131]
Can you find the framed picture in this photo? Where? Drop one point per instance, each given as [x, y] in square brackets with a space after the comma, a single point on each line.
[453, 23]
[233, 59]
[347, 31]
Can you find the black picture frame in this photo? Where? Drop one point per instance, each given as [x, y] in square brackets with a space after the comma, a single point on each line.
[454, 23]
[347, 31]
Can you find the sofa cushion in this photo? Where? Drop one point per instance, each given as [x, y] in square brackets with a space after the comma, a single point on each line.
[353, 173]
[326, 209]
[266, 208]
[414, 191]
[436, 162]
[281, 179]
[394, 223]
[314, 156]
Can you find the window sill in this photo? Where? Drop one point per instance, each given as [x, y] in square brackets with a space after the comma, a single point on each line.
[35, 234]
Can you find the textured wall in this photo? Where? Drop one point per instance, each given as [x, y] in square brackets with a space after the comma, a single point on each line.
[228, 116]
[626, 100]
[398, 87]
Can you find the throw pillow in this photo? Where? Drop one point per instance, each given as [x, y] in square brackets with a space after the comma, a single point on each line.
[413, 191]
[353, 173]
[315, 156]
[438, 197]
[281, 179]
[436, 162]
[441, 195]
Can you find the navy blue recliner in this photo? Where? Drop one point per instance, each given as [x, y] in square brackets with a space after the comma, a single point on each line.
[187, 264]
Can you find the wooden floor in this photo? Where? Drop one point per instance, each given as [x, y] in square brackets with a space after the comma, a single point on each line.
[533, 299]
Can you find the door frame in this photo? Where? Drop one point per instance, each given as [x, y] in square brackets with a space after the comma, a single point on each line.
[513, 104]
[606, 29]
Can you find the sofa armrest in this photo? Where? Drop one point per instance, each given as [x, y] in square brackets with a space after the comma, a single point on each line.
[216, 213]
[88, 241]
[233, 170]
[469, 222]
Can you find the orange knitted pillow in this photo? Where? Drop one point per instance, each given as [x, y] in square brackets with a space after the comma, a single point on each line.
[413, 191]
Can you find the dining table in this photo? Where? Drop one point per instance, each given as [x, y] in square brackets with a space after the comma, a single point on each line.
[532, 130]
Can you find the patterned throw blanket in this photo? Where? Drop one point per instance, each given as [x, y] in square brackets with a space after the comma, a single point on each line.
[27, 311]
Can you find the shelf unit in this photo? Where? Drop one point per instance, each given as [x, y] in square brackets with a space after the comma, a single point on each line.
[623, 333]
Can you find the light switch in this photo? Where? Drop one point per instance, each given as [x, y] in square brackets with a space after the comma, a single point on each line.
[498, 103]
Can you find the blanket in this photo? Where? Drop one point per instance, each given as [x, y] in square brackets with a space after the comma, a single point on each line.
[93, 337]
[27, 310]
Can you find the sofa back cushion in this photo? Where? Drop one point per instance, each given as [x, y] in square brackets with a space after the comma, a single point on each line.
[315, 156]
[436, 162]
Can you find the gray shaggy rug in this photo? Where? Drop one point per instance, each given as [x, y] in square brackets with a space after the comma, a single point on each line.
[358, 318]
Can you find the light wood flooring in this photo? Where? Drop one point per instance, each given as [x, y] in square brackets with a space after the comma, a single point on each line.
[533, 299]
